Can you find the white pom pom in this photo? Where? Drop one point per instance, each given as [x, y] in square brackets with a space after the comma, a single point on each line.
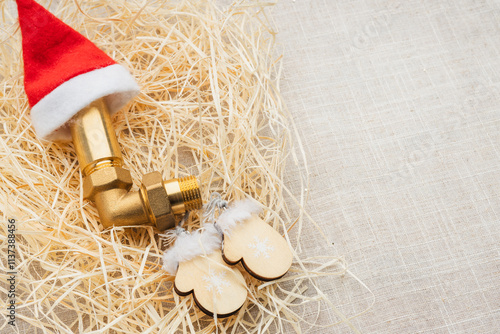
[237, 213]
[190, 245]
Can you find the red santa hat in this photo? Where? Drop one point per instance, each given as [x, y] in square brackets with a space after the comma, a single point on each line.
[64, 72]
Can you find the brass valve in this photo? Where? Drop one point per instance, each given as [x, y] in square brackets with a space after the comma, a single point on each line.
[108, 184]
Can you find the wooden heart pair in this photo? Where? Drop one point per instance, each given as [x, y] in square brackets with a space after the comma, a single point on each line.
[202, 261]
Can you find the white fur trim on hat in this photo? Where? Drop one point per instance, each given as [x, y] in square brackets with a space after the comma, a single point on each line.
[237, 213]
[113, 82]
[190, 245]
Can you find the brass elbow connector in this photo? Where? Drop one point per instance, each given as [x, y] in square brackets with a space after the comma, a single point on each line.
[108, 184]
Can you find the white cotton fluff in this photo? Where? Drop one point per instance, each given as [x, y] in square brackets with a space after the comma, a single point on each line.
[237, 213]
[190, 245]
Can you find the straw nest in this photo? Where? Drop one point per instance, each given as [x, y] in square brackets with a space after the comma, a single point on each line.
[210, 106]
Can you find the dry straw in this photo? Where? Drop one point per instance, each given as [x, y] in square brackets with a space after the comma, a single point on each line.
[210, 106]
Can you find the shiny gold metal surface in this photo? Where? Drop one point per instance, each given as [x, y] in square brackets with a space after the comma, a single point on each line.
[108, 184]
[94, 138]
[118, 207]
[157, 200]
[106, 179]
[191, 194]
[184, 194]
[172, 187]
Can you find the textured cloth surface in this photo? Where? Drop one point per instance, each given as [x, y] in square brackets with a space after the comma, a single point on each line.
[53, 52]
[398, 107]
[113, 83]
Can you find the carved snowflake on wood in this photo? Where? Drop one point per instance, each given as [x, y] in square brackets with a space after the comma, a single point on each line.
[215, 281]
[261, 247]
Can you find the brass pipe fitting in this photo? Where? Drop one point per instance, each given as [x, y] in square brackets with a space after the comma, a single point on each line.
[108, 184]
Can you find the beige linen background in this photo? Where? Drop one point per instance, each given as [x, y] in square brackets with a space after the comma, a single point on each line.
[398, 107]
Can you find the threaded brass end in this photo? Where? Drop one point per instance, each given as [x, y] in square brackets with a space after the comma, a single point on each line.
[191, 194]
[102, 163]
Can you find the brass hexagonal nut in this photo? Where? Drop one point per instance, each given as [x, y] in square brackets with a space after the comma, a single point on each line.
[156, 198]
[105, 179]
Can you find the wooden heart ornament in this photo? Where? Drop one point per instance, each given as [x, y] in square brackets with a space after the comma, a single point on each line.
[197, 262]
[264, 253]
